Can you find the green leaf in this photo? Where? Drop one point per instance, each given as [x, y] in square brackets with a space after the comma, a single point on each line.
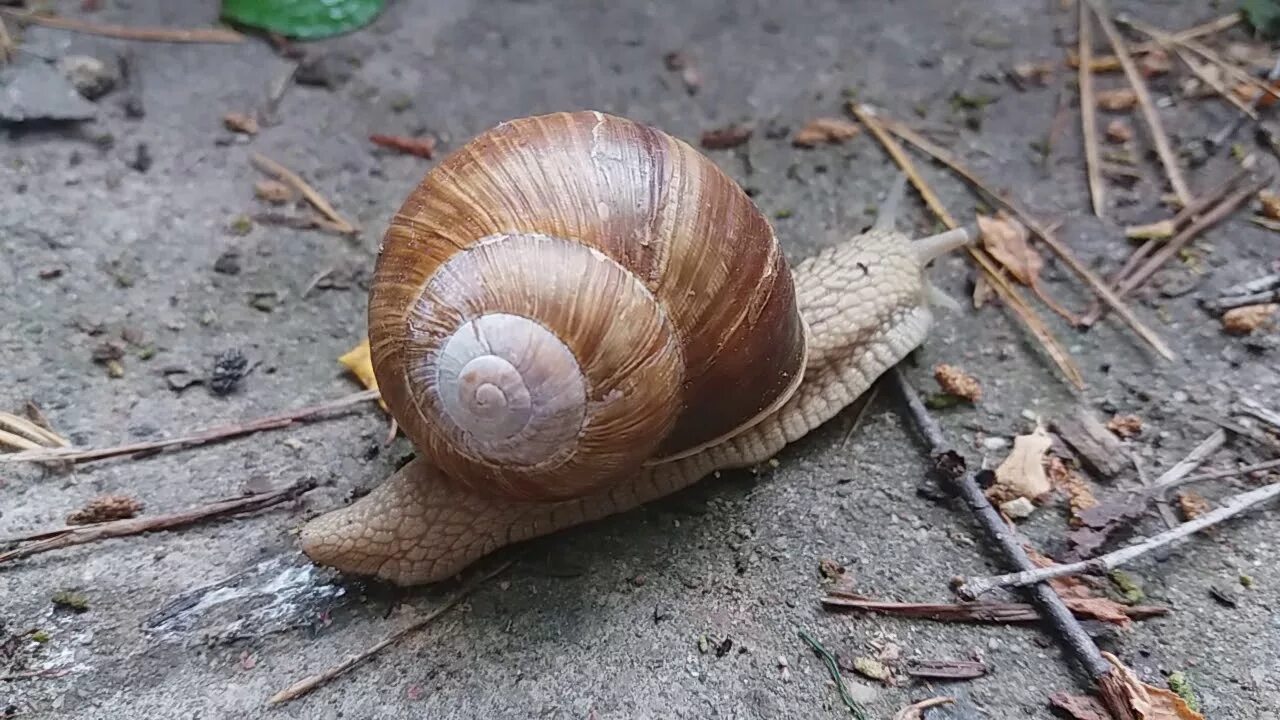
[303, 19]
[1263, 15]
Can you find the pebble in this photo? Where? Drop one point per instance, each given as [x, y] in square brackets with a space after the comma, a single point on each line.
[995, 443]
[31, 89]
[91, 77]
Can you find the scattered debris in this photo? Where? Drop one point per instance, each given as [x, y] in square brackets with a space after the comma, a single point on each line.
[730, 136]
[240, 123]
[689, 74]
[1104, 563]
[229, 368]
[946, 669]
[90, 76]
[872, 669]
[1078, 490]
[830, 569]
[1099, 449]
[109, 353]
[828, 130]
[105, 508]
[1248, 318]
[1117, 100]
[1192, 505]
[283, 174]
[957, 382]
[423, 147]
[1126, 426]
[915, 711]
[833, 668]
[57, 538]
[32, 90]
[1128, 586]
[69, 600]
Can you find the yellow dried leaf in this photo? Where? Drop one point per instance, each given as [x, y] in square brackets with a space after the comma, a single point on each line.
[1148, 702]
[1022, 473]
[825, 130]
[1244, 320]
[955, 381]
[1116, 100]
[1270, 202]
[1008, 242]
[359, 362]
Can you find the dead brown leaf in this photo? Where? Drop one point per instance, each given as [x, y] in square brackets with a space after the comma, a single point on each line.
[1068, 587]
[831, 130]
[1270, 202]
[957, 382]
[1077, 488]
[1008, 242]
[1146, 702]
[1116, 100]
[1192, 504]
[1101, 609]
[915, 711]
[1126, 426]
[1022, 472]
[730, 136]
[241, 123]
[1119, 131]
[1246, 319]
[1079, 707]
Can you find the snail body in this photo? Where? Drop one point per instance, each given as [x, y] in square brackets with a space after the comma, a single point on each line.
[574, 314]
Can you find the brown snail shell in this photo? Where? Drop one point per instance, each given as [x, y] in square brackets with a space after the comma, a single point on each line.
[570, 296]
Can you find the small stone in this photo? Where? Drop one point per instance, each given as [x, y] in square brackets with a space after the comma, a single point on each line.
[1018, 508]
[328, 70]
[141, 158]
[31, 89]
[91, 77]
[228, 263]
[264, 301]
[995, 443]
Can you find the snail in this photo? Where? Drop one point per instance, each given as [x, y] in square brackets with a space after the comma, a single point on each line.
[575, 314]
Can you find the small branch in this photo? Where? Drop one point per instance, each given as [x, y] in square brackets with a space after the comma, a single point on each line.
[1181, 470]
[1265, 414]
[311, 682]
[950, 465]
[200, 437]
[996, 613]
[125, 32]
[1167, 157]
[1103, 563]
[1011, 297]
[1217, 474]
[56, 539]
[284, 174]
[1088, 114]
[1097, 284]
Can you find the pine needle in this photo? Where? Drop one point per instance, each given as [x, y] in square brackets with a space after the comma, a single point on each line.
[1011, 297]
[1089, 115]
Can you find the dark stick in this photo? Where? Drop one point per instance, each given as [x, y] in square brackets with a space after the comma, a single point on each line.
[951, 467]
[81, 534]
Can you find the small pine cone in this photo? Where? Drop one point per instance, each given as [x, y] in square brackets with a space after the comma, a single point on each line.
[104, 508]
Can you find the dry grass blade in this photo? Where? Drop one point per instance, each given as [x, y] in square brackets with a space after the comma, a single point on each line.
[6, 44]
[1046, 234]
[1163, 149]
[45, 541]
[200, 437]
[1214, 82]
[1088, 115]
[1012, 298]
[1181, 40]
[31, 431]
[126, 32]
[311, 682]
[284, 174]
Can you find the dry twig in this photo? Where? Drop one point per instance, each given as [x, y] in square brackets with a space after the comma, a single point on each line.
[1088, 114]
[200, 437]
[311, 682]
[284, 174]
[47, 540]
[1103, 563]
[1044, 232]
[1167, 157]
[125, 32]
[949, 466]
[998, 613]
